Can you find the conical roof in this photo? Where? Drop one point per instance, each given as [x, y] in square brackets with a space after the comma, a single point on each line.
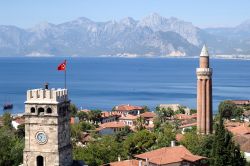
[204, 51]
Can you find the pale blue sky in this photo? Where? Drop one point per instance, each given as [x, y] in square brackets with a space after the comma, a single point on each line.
[202, 13]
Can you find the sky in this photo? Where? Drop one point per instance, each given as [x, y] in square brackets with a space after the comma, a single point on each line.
[202, 13]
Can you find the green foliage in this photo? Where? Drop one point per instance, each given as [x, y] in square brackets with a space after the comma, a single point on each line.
[73, 109]
[192, 141]
[20, 132]
[99, 152]
[181, 110]
[164, 136]
[122, 135]
[224, 151]
[193, 111]
[77, 129]
[164, 113]
[85, 126]
[82, 115]
[7, 120]
[139, 142]
[228, 110]
[140, 123]
[11, 150]
[145, 109]
[95, 115]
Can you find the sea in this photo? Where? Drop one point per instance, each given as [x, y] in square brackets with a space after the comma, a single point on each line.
[102, 83]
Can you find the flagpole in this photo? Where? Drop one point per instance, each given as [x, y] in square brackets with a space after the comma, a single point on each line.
[65, 85]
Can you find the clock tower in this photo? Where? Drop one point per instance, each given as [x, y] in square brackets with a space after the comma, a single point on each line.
[47, 128]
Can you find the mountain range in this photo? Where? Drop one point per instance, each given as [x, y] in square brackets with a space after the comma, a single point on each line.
[152, 36]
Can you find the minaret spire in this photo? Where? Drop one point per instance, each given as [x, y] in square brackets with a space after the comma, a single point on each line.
[204, 51]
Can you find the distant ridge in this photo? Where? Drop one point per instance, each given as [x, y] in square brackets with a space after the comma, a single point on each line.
[152, 36]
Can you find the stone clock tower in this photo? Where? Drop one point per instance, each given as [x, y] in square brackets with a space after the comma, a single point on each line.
[47, 128]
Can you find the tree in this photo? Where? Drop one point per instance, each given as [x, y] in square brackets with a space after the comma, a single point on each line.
[122, 135]
[181, 110]
[82, 115]
[193, 111]
[20, 132]
[85, 126]
[228, 110]
[164, 113]
[73, 109]
[164, 136]
[7, 119]
[140, 123]
[145, 109]
[76, 132]
[99, 152]
[11, 151]
[139, 142]
[95, 115]
[224, 151]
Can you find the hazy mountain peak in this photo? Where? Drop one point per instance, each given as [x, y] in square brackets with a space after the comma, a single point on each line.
[154, 35]
[42, 26]
[152, 20]
[128, 21]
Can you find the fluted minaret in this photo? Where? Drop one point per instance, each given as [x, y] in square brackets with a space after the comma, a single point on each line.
[204, 94]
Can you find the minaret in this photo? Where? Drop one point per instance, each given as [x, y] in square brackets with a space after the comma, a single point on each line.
[204, 94]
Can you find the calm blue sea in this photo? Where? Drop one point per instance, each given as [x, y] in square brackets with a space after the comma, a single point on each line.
[101, 83]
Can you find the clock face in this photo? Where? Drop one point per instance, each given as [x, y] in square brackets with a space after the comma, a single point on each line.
[41, 137]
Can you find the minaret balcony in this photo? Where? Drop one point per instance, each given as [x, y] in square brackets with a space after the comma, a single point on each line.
[204, 71]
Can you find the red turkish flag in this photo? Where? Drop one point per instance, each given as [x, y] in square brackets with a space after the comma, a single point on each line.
[62, 66]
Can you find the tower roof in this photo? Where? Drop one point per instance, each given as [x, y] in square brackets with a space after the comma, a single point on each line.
[204, 51]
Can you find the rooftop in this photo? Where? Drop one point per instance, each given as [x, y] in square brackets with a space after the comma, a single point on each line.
[169, 155]
[124, 163]
[47, 95]
[148, 115]
[128, 107]
[112, 125]
[128, 117]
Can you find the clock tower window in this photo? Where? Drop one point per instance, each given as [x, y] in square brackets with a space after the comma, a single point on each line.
[39, 161]
[49, 111]
[32, 110]
[40, 111]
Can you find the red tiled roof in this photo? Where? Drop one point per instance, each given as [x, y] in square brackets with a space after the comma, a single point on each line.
[128, 108]
[184, 116]
[128, 117]
[188, 125]
[239, 130]
[20, 120]
[240, 102]
[169, 155]
[112, 125]
[148, 115]
[245, 147]
[125, 163]
[106, 114]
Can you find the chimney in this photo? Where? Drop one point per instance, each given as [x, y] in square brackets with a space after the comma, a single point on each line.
[147, 163]
[172, 143]
[140, 162]
[46, 85]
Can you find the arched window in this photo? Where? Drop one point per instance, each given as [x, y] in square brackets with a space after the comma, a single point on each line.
[49, 111]
[39, 161]
[32, 110]
[40, 111]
